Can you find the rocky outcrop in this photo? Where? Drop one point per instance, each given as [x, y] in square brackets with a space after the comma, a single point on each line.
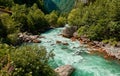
[65, 70]
[27, 37]
[68, 31]
[106, 50]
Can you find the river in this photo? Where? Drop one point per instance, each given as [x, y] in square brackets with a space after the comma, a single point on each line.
[76, 54]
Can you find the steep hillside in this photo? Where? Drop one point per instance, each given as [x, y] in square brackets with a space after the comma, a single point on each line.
[60, 5]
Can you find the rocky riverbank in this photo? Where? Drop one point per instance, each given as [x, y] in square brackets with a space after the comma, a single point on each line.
[107, 50]
[28, 37]
[74, 54]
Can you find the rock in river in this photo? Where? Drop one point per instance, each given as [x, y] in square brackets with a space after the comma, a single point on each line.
[68, 31]
[28, 37]
[65, 70]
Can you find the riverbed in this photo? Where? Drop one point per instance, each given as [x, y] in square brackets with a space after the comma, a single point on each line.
[78, 56]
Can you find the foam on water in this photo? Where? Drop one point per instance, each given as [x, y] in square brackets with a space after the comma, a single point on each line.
[75, 55]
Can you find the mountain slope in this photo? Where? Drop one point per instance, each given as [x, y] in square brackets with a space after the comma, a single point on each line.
[60, 5]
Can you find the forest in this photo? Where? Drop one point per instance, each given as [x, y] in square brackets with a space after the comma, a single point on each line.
[98, 20]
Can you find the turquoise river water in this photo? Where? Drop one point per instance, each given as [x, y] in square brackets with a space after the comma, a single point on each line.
[76, 54]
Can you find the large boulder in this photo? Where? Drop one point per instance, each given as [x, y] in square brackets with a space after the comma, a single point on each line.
[28, 37]
[65, 70]
[75, 35]
[68, 31]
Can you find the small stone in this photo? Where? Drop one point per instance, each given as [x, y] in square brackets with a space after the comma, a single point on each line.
[65, 43]
[36, 41]
[58, 42]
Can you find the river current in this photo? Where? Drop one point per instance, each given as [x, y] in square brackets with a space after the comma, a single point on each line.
[77, 55]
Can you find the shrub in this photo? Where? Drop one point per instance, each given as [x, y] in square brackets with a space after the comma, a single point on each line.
[82, 29]
[31, 19]
[61, 21]
[102, 19]
[30, 3]
[9, 29]
[25, 61]
[7, 3]
[36, 20]
[52, 18]
[2, 30]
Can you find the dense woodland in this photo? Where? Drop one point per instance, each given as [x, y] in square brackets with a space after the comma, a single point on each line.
[25, 60]
[98, 20]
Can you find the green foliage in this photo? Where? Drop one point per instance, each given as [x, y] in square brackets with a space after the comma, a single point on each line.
[73, 18]
[23, 18]
[9, 23]
[12, 38]
[30, 3]
[9, 29]
[27, 2]
[2, 30]
[4, 59]
[82, 29]
[7, 3]
[61, 21]
[52, 18]
[20, 16]
[95, 32]
[31, 19]
[111, 41]
[78, 17]
[36, 20]
[98, 21]
[25, 61]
